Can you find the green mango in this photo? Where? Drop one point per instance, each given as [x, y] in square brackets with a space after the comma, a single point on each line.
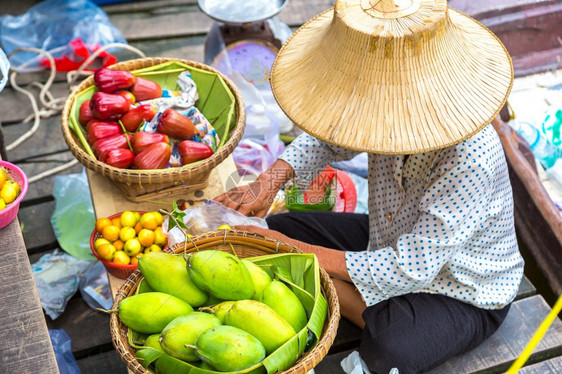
[261, 321]
[260, 278]
[220, 274]
[284, 301]
[228, 348]
[221, 309]
[167, 273]
[150, 312]
[185, 330]
[152, 342]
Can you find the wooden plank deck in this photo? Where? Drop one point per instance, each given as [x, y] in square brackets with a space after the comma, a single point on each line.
[25, 345]
[176, 28]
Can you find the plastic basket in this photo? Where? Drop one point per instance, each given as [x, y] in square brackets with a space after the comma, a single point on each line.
[117, 270]
[10, 212]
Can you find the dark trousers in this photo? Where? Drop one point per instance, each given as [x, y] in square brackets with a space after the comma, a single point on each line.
[413, 332]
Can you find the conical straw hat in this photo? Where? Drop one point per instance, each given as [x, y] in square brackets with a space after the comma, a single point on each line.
[392, 77]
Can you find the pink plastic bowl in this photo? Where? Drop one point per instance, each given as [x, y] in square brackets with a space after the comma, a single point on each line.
[10, 212]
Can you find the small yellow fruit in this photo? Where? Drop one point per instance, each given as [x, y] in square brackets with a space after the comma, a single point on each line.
[110, 232]
[101, 223]
[138, 227]
[128, 219]
[2, 204]
[3, 177]
[116, 222]
[224, 227]
[8, 193]
[149, 221]
[121, 258]
[146, 237]
[159, 218]
[106, 251]
[100, 241]
[132, 247]
[160, 238]
[152, 248]
[118, 245]
[14, 184]
[127, 233]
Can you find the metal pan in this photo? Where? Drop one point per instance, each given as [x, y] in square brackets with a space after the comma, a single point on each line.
[241, 11]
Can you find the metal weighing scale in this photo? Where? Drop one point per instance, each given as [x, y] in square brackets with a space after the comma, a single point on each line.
[242, 37]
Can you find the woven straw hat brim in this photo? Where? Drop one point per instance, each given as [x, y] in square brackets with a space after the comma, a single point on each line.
[389, 95]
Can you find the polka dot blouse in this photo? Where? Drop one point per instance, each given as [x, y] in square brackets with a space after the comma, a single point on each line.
[440, 222]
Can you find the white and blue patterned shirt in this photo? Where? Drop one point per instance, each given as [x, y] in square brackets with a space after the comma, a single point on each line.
[441, 222]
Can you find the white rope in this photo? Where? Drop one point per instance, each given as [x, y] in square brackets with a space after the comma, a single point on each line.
[48, 173]
[50, 105]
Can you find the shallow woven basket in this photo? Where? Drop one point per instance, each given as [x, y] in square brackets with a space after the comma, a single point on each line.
[138, 185]
[245, 244]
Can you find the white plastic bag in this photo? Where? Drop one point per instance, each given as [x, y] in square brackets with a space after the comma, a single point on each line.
[208, 216]
[354, 364]
[4, 69]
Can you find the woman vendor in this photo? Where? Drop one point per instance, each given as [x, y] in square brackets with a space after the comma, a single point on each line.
[432, 270]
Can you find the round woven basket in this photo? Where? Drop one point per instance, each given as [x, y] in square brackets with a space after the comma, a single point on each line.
[137, 185]
[245, 244]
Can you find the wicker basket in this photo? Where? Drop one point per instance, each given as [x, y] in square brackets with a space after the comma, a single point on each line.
[139, 185]
[246, 245]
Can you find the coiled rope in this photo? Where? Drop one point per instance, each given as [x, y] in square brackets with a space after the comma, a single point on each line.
[52, 106]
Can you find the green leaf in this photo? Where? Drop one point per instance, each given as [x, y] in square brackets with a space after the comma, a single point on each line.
[167, 364]
[136, 339]
[147, 356]
[176, 218]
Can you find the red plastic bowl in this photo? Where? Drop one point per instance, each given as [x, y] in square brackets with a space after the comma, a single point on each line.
[117, 270]
[10, 212]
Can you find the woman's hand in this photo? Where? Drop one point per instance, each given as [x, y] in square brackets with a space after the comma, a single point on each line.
[255, 198]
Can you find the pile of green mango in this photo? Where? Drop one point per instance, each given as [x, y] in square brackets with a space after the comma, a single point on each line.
[211, 309]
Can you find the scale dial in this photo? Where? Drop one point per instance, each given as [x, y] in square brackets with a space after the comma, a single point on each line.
[251, 58]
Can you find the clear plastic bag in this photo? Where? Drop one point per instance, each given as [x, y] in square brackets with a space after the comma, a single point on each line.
[51, 25]
[94, 287]
[73, 219]
[208, 216]
[57, 276]
[260, 146]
